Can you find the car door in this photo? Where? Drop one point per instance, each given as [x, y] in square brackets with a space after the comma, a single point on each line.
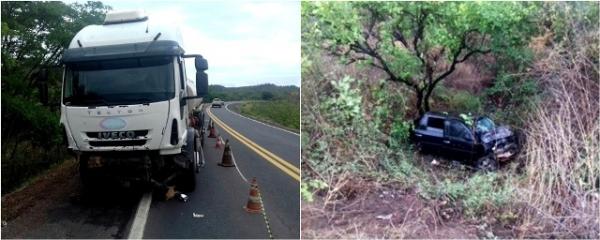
[430, 132]
[458, 139]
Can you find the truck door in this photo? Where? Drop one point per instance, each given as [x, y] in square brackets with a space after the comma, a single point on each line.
[458, 139]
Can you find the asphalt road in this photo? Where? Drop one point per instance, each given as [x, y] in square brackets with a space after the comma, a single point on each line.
[221, 192]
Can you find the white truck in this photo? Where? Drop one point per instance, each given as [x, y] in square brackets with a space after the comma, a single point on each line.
[126, 102]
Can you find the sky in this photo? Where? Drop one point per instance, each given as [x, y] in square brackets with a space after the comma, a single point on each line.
[245, 42]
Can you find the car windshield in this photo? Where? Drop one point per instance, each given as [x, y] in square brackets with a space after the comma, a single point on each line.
[485, 124]
[120, 81]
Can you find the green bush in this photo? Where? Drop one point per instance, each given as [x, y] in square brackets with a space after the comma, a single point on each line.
[345, 106]
[478, 194]
[453, 100]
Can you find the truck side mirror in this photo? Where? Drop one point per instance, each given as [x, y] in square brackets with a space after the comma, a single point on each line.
[201, 64]
[42, 82]
[201, 83]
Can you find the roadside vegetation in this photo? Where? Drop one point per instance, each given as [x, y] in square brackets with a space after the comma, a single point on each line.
[369, 69]
[278, 105]
[34, 35]
[256, 92]
[278, 112]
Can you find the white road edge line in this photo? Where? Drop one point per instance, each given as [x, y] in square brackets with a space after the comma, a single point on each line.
[268, 125]
[141, 215]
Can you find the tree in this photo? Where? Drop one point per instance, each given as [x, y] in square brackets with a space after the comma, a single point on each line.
[34, 36]
[418, 44]
[267, 95]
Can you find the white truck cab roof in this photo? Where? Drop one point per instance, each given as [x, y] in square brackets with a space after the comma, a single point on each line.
[122, 27]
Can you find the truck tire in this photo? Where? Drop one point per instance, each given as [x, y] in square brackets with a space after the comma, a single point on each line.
[487, 163]
[187, 181]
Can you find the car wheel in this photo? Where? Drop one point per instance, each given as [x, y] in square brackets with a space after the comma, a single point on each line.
[418, 147]
[487, 163]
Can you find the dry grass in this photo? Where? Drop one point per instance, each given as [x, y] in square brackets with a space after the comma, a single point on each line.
[561, 189]
[380, 211]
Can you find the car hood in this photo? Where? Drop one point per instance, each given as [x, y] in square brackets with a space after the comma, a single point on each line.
[500, 132]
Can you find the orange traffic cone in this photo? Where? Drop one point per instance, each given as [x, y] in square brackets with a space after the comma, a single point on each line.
[219, 143]
[253, 205]
[226, 160]
[212, 133]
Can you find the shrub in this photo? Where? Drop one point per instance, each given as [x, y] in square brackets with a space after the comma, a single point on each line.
[453, 100]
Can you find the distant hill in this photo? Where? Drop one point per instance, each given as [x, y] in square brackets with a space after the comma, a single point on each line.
[257, 92]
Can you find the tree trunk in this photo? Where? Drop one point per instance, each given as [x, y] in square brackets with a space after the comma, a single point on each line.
[420, 102]
[427, 96]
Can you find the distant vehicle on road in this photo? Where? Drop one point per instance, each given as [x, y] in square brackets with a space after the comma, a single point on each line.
[217, 102]
[126, 101]
[476, 139]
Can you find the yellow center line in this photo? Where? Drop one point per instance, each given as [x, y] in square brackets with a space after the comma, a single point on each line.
[283, 165]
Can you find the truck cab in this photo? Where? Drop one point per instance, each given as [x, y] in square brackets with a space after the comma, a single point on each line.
[126, 100]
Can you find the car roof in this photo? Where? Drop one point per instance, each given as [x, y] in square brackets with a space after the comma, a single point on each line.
[451, 115]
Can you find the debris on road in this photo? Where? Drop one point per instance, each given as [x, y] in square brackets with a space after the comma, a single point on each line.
[197, 215]
[170, 192]
[182, 197]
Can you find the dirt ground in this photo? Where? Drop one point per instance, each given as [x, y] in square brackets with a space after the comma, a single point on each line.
[387, 211]
[42, 191]
[52, 206]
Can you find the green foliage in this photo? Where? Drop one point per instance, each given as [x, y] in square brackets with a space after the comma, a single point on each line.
[402, 38]
[458, 100]
[399, 133]
[281, 112]
[308, 187]
[257, 92]
[398, 167]
[478, 194]
[468, 118]
[512, 90]
[345, 107]
[34, 36]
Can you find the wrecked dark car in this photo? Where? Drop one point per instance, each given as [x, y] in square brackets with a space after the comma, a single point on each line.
[476, 140]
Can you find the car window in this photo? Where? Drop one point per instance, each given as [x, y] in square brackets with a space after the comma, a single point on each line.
[485, 124]
[435, 122]
[458, 129]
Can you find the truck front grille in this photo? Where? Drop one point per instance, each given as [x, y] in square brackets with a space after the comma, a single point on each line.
[125, 143]
[104, 135]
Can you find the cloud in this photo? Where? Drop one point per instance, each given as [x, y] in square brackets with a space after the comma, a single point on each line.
[245, 43]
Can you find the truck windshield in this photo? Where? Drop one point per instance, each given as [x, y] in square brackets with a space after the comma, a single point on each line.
[119, 81]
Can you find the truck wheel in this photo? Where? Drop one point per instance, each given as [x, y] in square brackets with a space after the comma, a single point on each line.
[188, 176]
[487, 163]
